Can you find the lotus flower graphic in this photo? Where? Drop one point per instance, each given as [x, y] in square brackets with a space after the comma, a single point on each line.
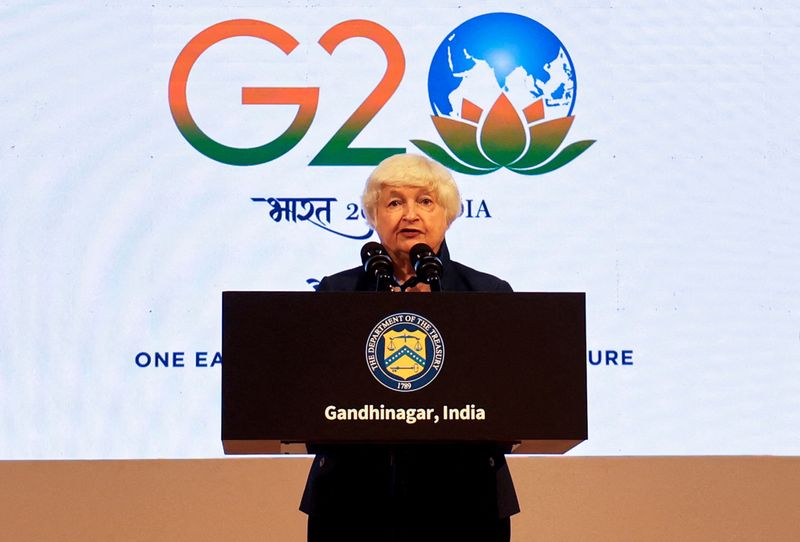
[526, 75]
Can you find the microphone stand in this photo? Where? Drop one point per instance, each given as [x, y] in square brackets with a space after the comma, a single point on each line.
[384, 282]
[432, 280]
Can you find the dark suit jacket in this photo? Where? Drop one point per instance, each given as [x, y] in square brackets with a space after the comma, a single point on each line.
[441, 479]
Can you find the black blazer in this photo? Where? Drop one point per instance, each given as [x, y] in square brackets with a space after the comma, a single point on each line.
[456, 479]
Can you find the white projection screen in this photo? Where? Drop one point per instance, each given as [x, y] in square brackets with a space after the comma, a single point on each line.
[124, 215]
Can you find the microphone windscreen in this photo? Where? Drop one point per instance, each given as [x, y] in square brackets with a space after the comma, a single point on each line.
[419, 251]
[371, 249]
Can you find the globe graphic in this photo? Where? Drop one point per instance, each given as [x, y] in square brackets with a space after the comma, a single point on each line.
[501, 53]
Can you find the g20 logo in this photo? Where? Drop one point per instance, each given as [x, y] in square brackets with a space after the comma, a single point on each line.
[502, 88]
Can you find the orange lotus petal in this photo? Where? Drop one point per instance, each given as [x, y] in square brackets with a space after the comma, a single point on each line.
[534, 112]
[503, 134]
[470, 111]
[546, 137]
[462, 139]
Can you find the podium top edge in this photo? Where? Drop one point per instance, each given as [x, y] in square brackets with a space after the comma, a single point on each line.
[516, 292]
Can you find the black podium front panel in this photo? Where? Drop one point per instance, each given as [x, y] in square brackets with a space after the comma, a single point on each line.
[379, 367]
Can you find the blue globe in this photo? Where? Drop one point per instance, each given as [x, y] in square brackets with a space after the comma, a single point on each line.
[501, 53]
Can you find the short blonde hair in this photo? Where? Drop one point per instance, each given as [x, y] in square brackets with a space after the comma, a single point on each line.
[412, 170]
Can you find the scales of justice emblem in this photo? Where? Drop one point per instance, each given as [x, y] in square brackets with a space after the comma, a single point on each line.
[404, 352]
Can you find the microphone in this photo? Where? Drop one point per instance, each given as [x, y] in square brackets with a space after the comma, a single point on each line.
[427, 266]
[378, 264]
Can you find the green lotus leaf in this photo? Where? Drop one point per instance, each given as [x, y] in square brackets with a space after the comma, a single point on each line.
[440, 155]
[567, 154]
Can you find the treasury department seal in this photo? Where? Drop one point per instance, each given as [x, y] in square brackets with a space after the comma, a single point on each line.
[405, 352]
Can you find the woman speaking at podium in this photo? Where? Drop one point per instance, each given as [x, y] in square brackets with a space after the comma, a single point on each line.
[442, 492]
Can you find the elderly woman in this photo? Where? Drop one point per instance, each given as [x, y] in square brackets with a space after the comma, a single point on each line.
[431, 492]
[410, 199]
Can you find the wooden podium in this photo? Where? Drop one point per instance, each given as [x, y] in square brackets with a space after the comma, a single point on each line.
[366, 367]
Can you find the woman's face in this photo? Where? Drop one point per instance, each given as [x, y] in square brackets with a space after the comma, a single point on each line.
[407, 215]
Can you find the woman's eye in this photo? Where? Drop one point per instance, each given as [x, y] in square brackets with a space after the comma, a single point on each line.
[426, 201]
[394, 203]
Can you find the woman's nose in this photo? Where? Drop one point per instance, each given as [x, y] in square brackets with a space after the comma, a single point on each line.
[411, 211]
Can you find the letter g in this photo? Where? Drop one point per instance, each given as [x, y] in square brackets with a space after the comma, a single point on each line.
[307, 98]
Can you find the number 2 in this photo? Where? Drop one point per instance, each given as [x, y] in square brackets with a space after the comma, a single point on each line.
[337, 151]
